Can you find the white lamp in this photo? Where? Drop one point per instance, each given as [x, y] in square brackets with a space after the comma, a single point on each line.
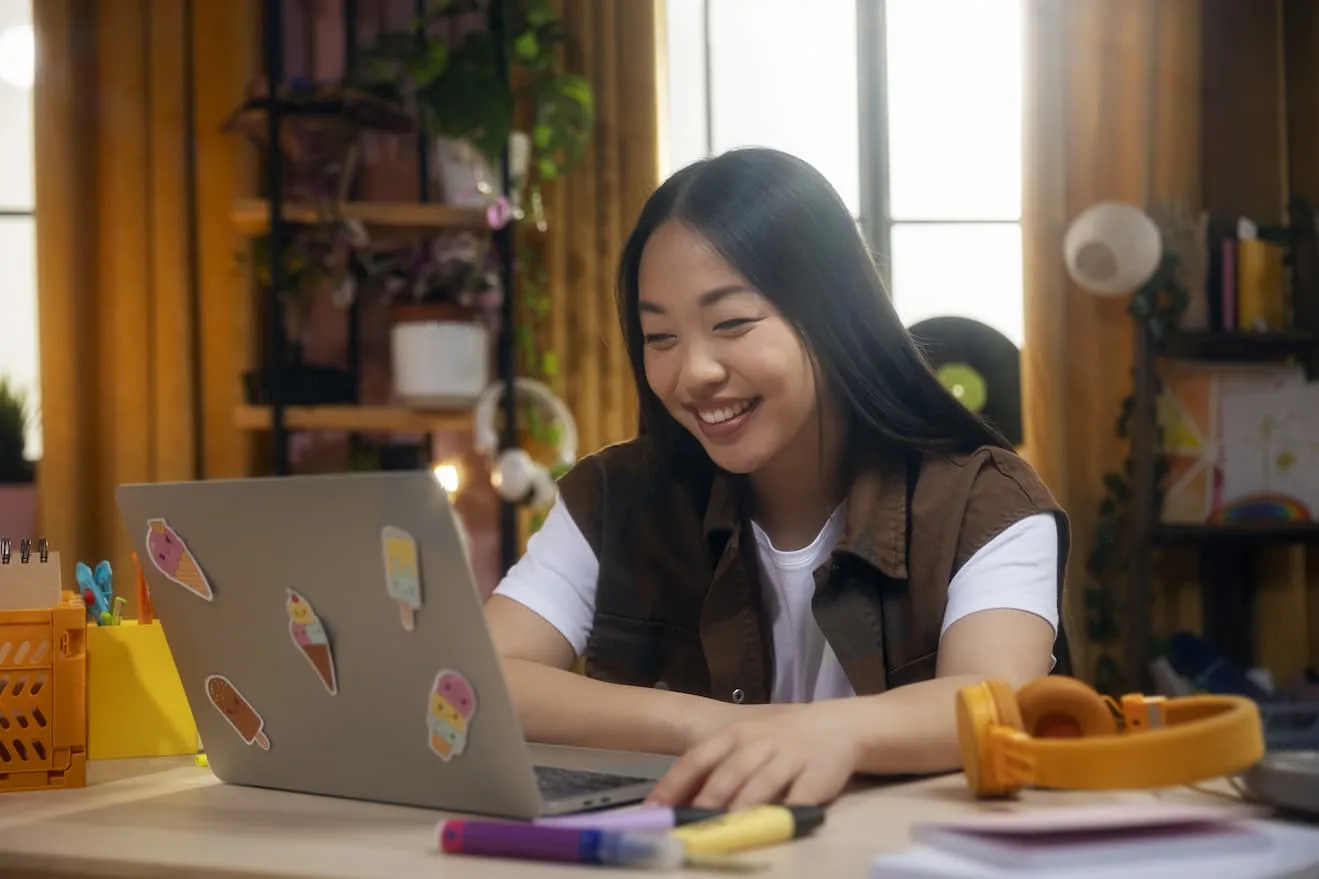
[1112, 248]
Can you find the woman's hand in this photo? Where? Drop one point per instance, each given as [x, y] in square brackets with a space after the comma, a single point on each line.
[792, 754]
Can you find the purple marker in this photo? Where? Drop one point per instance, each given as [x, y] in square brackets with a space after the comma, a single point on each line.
[507, 839]
[632, 818]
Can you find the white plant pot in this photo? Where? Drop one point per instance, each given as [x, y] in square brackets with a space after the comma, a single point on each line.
[440, 364]
[461, 171]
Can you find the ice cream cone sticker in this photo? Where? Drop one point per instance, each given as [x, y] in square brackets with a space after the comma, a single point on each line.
[240, 714]
[449, 714]
[402, 573]
[309, 637]
[171, 555]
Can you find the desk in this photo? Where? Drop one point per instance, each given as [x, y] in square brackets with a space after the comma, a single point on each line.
[164, 817]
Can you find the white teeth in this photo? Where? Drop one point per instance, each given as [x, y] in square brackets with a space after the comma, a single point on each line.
[717, 416]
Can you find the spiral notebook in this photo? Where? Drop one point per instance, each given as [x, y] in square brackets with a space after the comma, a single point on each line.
[29, 575]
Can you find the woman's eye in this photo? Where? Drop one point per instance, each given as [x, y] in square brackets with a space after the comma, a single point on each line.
[657, 338]
[734, 324]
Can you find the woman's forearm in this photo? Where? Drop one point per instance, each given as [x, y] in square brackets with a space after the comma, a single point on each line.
[910, 730]
[561, 707]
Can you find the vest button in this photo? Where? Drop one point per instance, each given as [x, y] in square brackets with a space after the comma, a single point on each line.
[739, 696]
[661, 685]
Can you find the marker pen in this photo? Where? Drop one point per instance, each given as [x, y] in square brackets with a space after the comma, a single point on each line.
[639, 818]
[736, 831]
[567, 844]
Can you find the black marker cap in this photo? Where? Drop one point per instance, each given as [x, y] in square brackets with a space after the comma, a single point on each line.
[690, 815]
[805, 819]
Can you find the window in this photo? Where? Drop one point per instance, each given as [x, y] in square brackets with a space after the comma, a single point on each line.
[922, 137]
[18, 294]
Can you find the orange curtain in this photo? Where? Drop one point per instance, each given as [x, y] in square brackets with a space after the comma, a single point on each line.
[592, 210]
[1087, 138]
[142, 333]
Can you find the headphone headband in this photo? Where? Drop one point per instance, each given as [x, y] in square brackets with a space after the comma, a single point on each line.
[483, 415]
[1057, 732]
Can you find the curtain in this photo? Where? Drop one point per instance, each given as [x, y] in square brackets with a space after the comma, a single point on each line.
[1217, 141]
[142, 333]
[1087, 137]
[592, 210]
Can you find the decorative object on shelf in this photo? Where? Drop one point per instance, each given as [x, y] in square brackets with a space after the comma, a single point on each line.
[440, 353]
[321, 127]
[516, 477]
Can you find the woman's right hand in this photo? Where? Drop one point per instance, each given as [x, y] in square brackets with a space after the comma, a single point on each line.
[712, 716]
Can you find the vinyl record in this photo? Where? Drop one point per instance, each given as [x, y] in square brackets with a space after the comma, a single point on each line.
[979, 365]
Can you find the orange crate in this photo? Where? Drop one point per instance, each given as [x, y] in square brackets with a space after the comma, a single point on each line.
[43, 697]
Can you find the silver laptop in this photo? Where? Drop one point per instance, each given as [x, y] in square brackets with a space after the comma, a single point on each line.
[330, 638]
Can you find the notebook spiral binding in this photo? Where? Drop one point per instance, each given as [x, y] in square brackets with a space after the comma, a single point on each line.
[24, 550]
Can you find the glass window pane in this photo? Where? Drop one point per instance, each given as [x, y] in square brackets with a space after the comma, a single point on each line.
[685, 134]
[18, 315]
[783, 74]
[16, 66]
[965, 270]
[954, 109]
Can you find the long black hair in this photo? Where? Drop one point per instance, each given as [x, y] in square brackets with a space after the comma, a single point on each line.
[782, 226]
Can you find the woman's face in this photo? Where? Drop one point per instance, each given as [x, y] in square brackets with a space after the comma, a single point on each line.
[719, 356]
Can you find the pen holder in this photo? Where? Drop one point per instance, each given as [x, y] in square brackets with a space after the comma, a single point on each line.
[136, 706]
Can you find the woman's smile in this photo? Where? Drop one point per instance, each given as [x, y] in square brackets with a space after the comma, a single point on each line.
[722, 419]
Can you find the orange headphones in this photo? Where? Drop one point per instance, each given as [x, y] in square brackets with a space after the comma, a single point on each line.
[1057, 732]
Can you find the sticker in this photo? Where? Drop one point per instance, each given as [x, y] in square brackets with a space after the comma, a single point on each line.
[449, 714]
[402, 573]
[170, 554]
[309, 636]
[237, 710]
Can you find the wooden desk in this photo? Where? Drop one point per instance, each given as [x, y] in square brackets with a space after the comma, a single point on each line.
[165, 817]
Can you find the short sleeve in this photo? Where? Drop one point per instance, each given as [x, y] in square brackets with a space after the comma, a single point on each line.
[1018, 569]
[556, 577]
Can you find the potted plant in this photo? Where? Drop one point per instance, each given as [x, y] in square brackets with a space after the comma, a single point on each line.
[462, 98]
[18, 492]
[445, 295]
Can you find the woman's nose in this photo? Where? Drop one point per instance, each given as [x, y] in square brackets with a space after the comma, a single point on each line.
[701, 370]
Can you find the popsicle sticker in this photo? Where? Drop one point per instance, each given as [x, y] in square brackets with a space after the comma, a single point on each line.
[237, 710]
[309, 636]
[449, 714]
[402, 573]
[171, 556]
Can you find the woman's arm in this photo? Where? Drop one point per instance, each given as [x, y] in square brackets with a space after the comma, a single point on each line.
[559, 706]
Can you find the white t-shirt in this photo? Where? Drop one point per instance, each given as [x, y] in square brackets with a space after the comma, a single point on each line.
[1018, 569]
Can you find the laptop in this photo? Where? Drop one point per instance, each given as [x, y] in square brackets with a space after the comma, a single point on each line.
[330, 638]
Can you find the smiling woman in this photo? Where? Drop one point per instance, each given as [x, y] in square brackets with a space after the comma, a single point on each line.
[810, 546]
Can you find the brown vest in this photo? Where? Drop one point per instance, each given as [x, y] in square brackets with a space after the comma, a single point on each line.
[679, 603]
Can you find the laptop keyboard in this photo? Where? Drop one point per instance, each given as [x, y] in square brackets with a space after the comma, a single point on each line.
[558, 783]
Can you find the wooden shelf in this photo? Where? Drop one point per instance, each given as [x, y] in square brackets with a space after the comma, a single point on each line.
[395, 419]
[1239, 345]
[252, 215]
[1263, 531]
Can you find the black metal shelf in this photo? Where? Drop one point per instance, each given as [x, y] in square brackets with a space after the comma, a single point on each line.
[1240, 345]
[1243, 532]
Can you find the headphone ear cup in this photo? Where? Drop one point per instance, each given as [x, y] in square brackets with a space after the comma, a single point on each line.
[1059, 707]
[980, 708]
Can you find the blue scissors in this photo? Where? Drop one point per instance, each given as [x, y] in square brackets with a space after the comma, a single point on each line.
[97, 588]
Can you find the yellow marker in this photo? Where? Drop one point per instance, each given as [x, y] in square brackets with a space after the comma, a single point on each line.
[738, 831]
[201, 761]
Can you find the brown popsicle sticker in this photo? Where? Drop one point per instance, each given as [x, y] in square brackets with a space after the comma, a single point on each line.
[237, 710]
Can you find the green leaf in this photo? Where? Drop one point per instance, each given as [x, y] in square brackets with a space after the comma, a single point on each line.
[1115, 485]
[526, 47]
[549, 364]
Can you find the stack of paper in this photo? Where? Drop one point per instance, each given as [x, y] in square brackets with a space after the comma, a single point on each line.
[1131, 841]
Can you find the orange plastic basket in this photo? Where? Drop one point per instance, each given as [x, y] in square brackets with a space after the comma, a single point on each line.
[43, 697]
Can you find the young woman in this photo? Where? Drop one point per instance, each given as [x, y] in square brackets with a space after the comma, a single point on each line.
[809, 547]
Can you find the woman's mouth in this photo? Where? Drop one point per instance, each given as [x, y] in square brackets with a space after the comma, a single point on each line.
[727, 418]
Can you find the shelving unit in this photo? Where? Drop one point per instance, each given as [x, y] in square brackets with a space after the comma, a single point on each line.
[1227, 550]
[273, 216]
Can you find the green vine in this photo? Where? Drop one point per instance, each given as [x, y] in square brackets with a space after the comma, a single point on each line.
[1158, 305]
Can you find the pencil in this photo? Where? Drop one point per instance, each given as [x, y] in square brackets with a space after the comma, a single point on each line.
[145, 612]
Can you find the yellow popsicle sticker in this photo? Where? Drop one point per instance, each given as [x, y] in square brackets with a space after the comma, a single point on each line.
[402, 573]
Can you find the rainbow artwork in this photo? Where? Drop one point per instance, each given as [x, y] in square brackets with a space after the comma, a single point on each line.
[1261, 508]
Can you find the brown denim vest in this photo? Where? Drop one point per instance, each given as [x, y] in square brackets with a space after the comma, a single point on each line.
[679, 603]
